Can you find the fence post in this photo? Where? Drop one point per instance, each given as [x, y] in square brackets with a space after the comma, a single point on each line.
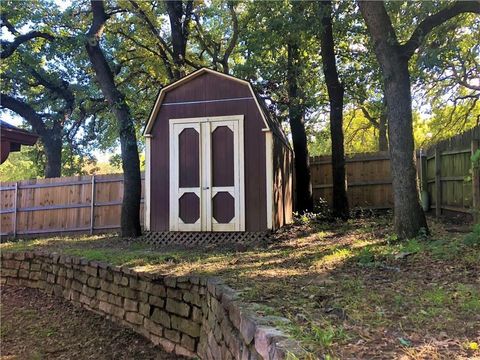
[438, 184]
[92, 206]
[15, 210]
[475, 185]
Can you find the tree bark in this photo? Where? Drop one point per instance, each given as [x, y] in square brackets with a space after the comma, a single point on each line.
[130, 217]
[53, 151]
[382, 132]
[335, 96]
[179, 20]
[409, 216]
[303, 187]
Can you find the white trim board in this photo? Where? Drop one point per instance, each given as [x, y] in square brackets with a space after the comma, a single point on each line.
[148, 179]
[269, 178]
[205, 101]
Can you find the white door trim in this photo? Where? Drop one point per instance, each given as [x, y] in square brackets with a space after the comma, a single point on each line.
[148, 176]
[176, 224]
[205, 126]
[269, 178]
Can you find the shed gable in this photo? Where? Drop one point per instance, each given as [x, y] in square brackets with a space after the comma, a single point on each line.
[204, 86]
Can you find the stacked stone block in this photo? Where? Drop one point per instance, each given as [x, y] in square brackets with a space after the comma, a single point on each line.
[190, 316]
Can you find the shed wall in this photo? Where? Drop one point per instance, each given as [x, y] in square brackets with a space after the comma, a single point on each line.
[210, 87]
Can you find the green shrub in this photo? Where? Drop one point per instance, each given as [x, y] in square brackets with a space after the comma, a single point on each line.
[473, 239]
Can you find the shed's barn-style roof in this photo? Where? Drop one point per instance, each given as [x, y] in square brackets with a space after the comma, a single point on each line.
[13, 138]
[270, 122]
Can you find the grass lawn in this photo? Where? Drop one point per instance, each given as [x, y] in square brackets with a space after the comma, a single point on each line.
[351, 291]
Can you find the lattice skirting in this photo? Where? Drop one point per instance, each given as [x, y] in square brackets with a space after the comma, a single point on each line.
[205, 239]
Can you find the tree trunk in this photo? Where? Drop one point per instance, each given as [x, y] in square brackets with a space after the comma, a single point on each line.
[52, 145]
[382, 132]
[335, 95]
[409, 216]
[303, 186]
[179, 19]
[130, 218]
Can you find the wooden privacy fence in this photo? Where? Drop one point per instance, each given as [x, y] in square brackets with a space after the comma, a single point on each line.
[368, 180]
[445, 171]
[58, 205]
[453, 184]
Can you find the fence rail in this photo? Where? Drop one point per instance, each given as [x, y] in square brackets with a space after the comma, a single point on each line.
[74, 204]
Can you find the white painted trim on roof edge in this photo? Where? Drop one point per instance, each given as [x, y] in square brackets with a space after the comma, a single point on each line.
[163, 91]
[269, 178]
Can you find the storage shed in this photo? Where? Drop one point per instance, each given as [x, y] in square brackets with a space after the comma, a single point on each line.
[216, 160]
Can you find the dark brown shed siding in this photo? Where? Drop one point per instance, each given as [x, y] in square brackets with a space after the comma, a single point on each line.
[210, 87]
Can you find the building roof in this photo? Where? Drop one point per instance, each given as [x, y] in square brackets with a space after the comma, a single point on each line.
[13, 134]
[269, 119]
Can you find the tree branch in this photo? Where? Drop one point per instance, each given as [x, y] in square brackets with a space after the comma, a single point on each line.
[462, 80]
[151, 27]
[9, 25]
[233, 39]
[25, 111]
[8, 48]
[369, 117]
[428, 24]
[61, 90]
[163, 47]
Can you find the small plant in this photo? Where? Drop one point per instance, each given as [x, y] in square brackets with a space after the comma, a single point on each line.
[422, 234]
[392, 239]
[365, 256]
[324, 336]
[473, 239]
[303, 219]
[412, 246]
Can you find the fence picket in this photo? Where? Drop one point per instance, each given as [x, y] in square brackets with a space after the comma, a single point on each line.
[475, 185]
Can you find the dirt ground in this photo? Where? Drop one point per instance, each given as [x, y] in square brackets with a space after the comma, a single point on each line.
[37, 326]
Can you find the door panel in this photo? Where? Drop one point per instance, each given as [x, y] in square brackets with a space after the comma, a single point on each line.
[223, 169]
[185, 191]
[189, 158]
[225, 176]
[206, 165]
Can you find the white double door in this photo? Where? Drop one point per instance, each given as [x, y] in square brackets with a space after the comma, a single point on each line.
[207, 174]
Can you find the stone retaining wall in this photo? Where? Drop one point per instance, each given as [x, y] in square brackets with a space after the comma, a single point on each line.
[187, 315]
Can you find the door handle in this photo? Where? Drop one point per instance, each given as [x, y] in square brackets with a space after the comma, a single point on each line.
[206, 188]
